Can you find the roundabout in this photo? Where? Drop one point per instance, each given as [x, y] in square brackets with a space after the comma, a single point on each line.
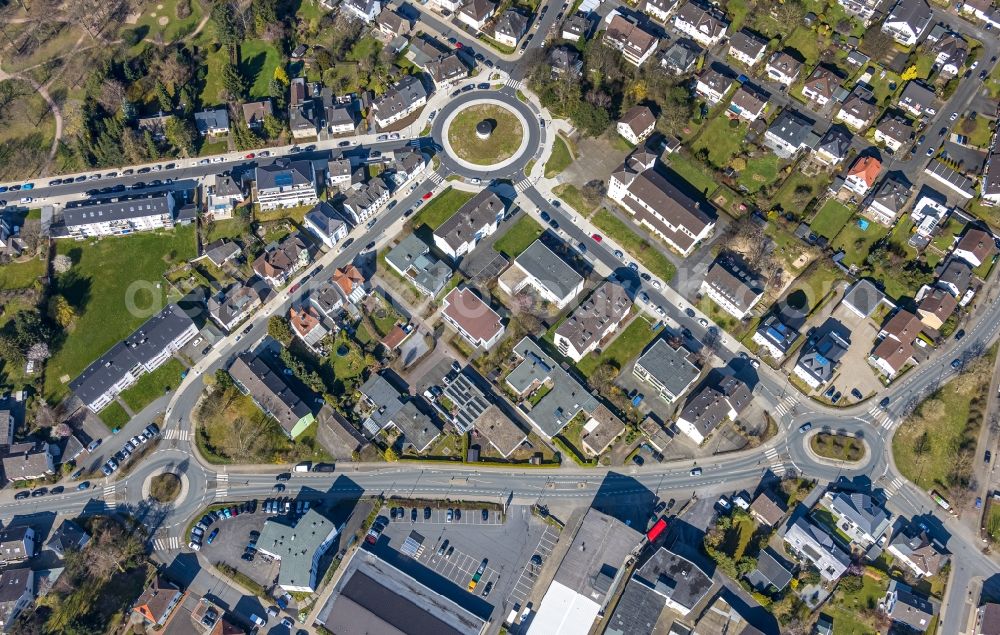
[485, 134]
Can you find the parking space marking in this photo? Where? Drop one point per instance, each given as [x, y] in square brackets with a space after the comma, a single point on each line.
[440, 517]
[526, 580]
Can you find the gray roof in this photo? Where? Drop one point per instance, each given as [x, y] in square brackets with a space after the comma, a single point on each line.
[324, 217]
[734, 280]
[446, 68]
[365, 195]
[820, 359]
[147, 342]
[26, 460]
[470, 402]
[124, 207]
[14, 583]
[412, 256]
[596, 555]
[671, 366]
[609, 303]
[637, 611]
[564, 58]
[269, 390]
[956, 272]
[206, 120]
[747, 43]
[836, 142]
[864, 297]
[681, 55]
[915, 13]
[791, 127]
[896, 128]
[779, 334]
[911, 609]
[226, 305]
[770, 571]
[339, 115]
[68, 536]
[284, 173]
[551, 270]
[484, 209]
[398, 98]
[417, 428]
[711, 404]
[222, 250]
[893, 192]
[862, 510]
[512, 23]
[296, 543]
[566, 398]
[860, 106]
[674, 577]
[917, 95]
[704, 19]
[226, 185]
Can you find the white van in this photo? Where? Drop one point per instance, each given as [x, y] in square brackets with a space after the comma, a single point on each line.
[303, 467]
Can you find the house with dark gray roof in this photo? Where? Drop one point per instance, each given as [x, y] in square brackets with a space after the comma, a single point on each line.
[637, 611]
[67, 537]
[789, 133]
[907, 21]
[474, 221]
[545, 273]
[680, 57]
[859, 516]
[717, 400]
[858, 111]
[595, 319]
[771, 571]
[821, 355]
[212, 122]
[229, 307]
[889, 198]
[447, 69]
[907, 609]
[413, 260]
[747, 47]
[863, 298]
[405, 97]
[271, 394]
[17, 592]
[703, 24]
[383, 406]
[775, 337]
[681, 583]
[668, 368]
[732, 285]
[286, 183]
[834, 145]
[565, 59]
[510, 27]
[814, 545]
[17, 542]
[326, 224]
[919, 99]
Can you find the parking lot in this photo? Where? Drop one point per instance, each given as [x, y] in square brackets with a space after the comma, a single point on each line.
[229, 545]
[506, 542]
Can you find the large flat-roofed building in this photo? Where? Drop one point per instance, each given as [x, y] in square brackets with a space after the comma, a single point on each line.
[120, 215]
[374, 596]
[141, 352]
[475, 321]
[271, 394]
[668, 369]
[593, 566]
[659, 205]
[286, 184]
[548, 275]
[298, 545]
[474, 221]
[596, 318]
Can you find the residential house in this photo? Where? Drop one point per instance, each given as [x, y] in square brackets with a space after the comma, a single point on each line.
[325, 223]
[391, 23]
[907, 610]
[935, 306]
[748, 103]
[814, 545]
[929, 212]
[774, 337]
[17, 543]
[982, 10]
[717, 400]
[821, 85]
[339, 115]
[863, 9]
[668, 368]
[307, 325]
[704, 25]
[548, 275]
[364, 200]
[990, 179]
[271, 394]
[68, 536]
[448, 5]
[286, 183]
[475, 321]
[893, 131]
[447, 70]
[478, 218]
[339, 173]
[712, 85]
[659, 9]
[303, 115]
[280, 260]
[255, 112]
[914, 547]
[565, 60]
[768, 508]
[222, 197]
[772, 572]
[747, 48]
[889, 199]
[346, 286]
[858, 111]
[863, 174]
[366, 10]
[634, 42]
[918, 99]
[732, 285]
[156, 126]
[637, 124]
[955, 276]
[145, 350]
[158, 601]
[975, 247]
[510, 27]
[783, 68]
[595, 319]
[987, 615]
[298, 544]
[476, 13]
[907, 21]
[387, 408]
[856, 58]
[860, 517]
[7, 426]
[656, 203]
[952, 51]
[575, 27]
[406, 165]
[789, 133]
[222, 251]
[833, 146]
[894, 350]
[681, 56]
[17, 592]
[228, 308]
[820, 357]
[407, 96]
[413, 260]
[212, 122]
[600, 431]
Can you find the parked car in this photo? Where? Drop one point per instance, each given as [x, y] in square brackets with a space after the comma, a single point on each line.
[22, 495]
[696, 471]
[443, 547]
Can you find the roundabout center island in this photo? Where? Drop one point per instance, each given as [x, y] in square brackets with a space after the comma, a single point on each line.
[485, 134]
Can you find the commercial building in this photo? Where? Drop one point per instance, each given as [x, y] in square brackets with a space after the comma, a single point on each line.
[548, 275]
[298, 545]
[286, 183]
[142, 352]
[271, 394]
[595, 319]
[667, 368]
[475, 220]
[475, 321]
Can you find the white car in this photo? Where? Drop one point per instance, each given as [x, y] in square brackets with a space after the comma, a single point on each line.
[661, 312]
[657, 285]
[703, 322]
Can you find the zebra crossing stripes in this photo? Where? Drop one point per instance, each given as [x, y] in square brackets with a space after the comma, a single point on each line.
[436, 178]
[774, 461]
[893, 487]
[177, 433]
[785, 405]
[513, 83]
[222, 485]
[109, 493]
[881, 417]
[523, 184]
[165, 544]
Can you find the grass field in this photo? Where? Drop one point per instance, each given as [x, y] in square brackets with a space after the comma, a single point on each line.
[760, 171]
[804, 40]
[560, 158]
[838, 447]
[856, 242]
[721, 140]
[830, 219]
[163, 23]
[797, 192]
[519, 237]
[845, 606]
[106, 276]
[441, 207]
[688, 169]
[574, 198]
[152, 385]
[993, 523]
[500, 145]
[257, 64]
[113, 415]
[20, 275]
[738, 537]
[651, 256]
[627, 345]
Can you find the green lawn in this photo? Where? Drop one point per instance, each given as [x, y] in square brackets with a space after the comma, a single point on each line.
[106, 275]
[211, 91]
[885, 86]
[651, 256]
[629, 343]
[228, 228]
[797, 191]
[153, 18]
[856, 242]
[721, 139]
[20, 275]
[737, 11]
[258, 59]
[738, 537]
[519, 237]
[993, 523]
[692, 172]
[760, 171]
[980, 131]
[830, 219]
[153, 385]
[574, 197]
[805, 41]
[113, 415]
[845, 607]
[498, 146]
[441, 207]
[560, 158]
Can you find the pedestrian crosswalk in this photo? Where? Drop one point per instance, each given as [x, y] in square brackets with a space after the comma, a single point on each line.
[893, 487]
[774, 461]
[523, 185]
[177, 433]
[881, 417]
[513, 83]
[222, 485]
[164, 544]
[436, 178]
[785, 406]
[109, 493]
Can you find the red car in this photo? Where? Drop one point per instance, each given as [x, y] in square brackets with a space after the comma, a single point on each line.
[428, 195]
[458, 45]
[250, 156]
[597, 238]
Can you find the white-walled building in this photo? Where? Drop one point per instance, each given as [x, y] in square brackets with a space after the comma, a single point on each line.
[477, 219]
[286, 183]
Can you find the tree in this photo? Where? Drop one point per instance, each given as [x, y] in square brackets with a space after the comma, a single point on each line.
[39, 352]
[273, 127]
[112, 95]
[876, 43]
[223, 17]
[233, 80]
[166, 101]
[223, 379]
[280, 75]
[182, 134]
[909, 73]
[61, 311]
[278, 328]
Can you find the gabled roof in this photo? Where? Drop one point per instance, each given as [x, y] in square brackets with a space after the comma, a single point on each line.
[511, 23]
[893, 193]
[638, 119]
[464, 225]
[478, 10]
[867, 169]
[703, 19]
[791, 127]
[860, 107]
[748, 98]
[212, 120]
[918, 95]
[862, 510]
[785, 63]
[544, 265]
[977, 242]
[732, 278]
[284, 173]
[896, 128]
[156, 599]
[472, 314]
[836, 142]
[823, 81]
[747, 43]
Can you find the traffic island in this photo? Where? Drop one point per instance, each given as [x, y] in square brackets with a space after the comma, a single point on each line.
[165, 488]
[840, 448]
[485, 134]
